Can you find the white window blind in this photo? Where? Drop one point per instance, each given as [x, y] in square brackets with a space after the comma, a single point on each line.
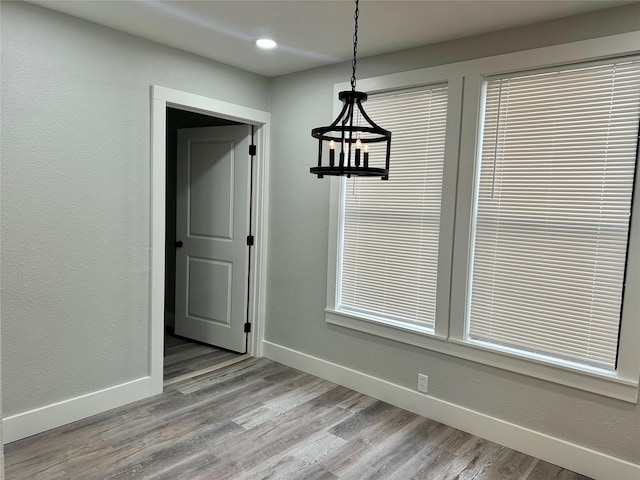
[391, 228]
[553, 209]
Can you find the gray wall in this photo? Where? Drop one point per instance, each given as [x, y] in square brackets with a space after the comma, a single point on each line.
[298, 255]
[75, 135]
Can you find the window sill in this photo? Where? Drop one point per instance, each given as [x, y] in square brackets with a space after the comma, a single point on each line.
[594, 380]
[398, 331]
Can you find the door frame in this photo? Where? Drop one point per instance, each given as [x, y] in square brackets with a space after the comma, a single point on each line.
[161, 98]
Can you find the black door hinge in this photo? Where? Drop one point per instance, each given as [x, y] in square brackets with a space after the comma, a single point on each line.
[252, 150]
[250, 240]
[247, 327]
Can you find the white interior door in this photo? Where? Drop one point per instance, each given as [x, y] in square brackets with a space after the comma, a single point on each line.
[212, 222]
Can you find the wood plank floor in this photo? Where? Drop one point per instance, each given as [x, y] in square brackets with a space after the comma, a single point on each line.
[258, 419]
[183, 358]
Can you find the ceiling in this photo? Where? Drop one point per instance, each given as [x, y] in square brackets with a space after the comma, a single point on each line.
[312, 33]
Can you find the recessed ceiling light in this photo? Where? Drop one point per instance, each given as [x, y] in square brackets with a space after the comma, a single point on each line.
[266, 43]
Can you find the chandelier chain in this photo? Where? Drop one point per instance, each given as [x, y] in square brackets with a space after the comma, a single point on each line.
[354, 63]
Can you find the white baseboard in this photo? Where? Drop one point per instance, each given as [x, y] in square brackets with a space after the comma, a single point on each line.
[51, 416]
[550, 449]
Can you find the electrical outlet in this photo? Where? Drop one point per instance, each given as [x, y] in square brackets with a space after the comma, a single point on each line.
[423, 383]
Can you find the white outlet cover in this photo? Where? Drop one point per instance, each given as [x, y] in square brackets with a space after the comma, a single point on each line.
[423, 383]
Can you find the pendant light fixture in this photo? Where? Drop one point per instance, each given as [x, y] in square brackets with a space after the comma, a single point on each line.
[364, 147]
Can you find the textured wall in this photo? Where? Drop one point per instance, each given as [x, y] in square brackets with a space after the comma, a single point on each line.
[298, 255]
[75, 198]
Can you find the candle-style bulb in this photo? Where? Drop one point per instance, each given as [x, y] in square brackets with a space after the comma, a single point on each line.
[332, 153]
[366, 155]
[358, 148]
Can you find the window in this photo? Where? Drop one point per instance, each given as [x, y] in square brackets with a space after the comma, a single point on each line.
[553, 207]
[391, 228]
[508, 233]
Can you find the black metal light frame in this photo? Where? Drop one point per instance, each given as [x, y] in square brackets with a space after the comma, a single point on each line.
[353, 139]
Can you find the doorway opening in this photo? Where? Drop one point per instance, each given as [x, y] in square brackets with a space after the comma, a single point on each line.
[213, 123]
[185, 357]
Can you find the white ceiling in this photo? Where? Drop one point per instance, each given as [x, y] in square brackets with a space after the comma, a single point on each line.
[312, 33]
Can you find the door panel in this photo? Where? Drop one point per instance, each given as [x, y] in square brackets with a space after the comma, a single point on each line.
[209, 287]
[210, 167]
[212, 214]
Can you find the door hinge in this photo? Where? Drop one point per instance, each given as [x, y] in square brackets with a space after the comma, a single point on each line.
[252, 150]
[250, 240]
[247, 327]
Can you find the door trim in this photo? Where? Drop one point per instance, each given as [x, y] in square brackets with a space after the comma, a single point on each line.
[161, 98]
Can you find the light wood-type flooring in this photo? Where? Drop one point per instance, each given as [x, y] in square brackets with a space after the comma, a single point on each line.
[184, 359]
[257, 419]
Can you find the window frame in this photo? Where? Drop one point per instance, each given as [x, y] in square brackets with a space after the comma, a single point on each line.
[466, 82]
[572, 67]
[405, 332]
[446, 219]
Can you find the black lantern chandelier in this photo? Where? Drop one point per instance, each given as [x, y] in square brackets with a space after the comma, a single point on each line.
[353, 138]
